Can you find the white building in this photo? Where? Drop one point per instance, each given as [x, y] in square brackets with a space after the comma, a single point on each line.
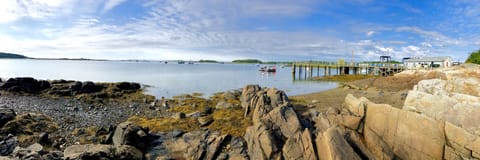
[426, 62]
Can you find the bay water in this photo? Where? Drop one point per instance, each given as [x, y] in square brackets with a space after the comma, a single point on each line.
[165, 80]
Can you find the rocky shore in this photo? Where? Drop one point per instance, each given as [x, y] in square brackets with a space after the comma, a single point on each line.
[438, 118]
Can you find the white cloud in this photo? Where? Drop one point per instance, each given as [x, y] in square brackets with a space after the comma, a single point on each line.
[370, 33]
[189, 29]
[109, 4]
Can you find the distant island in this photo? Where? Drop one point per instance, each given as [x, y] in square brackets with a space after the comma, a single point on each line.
[207, 61]
[246, 61]
[11, 55]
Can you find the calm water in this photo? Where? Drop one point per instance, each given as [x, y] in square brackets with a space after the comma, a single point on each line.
[166, 79]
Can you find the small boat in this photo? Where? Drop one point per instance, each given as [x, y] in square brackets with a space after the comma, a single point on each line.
[268, 69]
[190, 62]
[181, 62]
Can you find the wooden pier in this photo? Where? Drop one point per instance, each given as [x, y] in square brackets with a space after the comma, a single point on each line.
[307, 70]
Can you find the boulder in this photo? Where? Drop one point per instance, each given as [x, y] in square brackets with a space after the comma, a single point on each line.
[300, 146]
[127, 86]
[356, 106]
[265, 101]
[6, 115]
[93, 151]
[331, 145]
[458, 109]
[7, 144]
[199, 145]
[29, 124]
[25, 84]
[247, 94]
[261, 143]
[458, 141]
[127, 133]
[409, 135]
[223, 104]
[283, 120]
[31, 152]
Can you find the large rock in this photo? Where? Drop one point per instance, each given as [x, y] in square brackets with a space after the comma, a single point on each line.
[7, 144]
[331, 145]
[127, 133]
[300, 147]
[247, 94]
[460, 142]
[29, 124]
[127, 86]
[6, 115]
[265, 101]
[261, 143]
[283, 120]
[25, 84]
[356, 106]
[200, 145]
[93, 151]
[441, 104]
[409, 135]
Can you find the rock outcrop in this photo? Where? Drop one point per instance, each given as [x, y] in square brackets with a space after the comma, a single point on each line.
[25, 84]
[277, 131]
[92, 151]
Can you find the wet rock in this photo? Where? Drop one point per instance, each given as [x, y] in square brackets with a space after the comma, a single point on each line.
[127, 86]
[7, 144]
[6, 115]
[25, 84]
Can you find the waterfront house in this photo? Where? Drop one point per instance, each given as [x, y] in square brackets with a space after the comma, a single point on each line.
[426, 62]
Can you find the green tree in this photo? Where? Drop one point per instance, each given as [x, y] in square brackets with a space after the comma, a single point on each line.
[474, 57]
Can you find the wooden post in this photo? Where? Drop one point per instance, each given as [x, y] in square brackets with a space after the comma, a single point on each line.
[293, 70]
[318, 70]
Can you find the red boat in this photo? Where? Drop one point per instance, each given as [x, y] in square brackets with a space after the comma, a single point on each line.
[268, 69]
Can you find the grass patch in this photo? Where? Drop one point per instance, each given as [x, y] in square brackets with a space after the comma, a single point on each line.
[230, 121]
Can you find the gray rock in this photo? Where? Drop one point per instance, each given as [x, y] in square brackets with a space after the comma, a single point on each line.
[7, 144]
[223, 104]
[248, 92]
[54, 155]
[91, 151]
[6, 115]
[128, 133]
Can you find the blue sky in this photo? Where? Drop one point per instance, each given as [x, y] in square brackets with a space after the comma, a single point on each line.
[281, 30]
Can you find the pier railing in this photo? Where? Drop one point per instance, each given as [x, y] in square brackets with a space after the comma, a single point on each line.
[306, 70]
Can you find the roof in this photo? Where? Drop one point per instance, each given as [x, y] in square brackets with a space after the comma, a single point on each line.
[428, 59]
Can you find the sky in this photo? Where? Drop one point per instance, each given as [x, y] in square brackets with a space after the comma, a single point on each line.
[270, 30]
